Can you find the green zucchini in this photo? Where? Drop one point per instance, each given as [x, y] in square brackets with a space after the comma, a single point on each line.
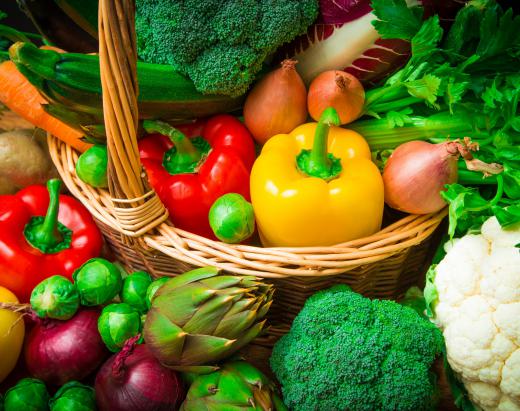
[73, 80]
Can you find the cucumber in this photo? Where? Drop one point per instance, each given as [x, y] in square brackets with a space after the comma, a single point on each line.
[73, 80]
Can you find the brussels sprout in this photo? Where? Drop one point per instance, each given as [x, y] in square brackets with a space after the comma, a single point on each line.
[98, 281]
[152, 289]
[134, 290]
[73, 396]
[91, 167]
[231, 218]
[55, 297]
[29, 394]
[117, 323]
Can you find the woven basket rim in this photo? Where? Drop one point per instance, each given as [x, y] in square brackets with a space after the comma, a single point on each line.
[267, 262]
[132, 209]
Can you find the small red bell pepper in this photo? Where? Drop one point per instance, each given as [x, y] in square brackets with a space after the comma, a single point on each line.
[190, 171]
[43, 233]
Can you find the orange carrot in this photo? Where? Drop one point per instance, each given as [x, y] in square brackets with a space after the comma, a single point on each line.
[24, 99]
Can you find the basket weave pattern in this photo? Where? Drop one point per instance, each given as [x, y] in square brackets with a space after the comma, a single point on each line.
[136, 225]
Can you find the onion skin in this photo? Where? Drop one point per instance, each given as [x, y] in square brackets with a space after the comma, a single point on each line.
[61, 351]
[277, 104]
[336, 89]
[416, 173]
[140, 383]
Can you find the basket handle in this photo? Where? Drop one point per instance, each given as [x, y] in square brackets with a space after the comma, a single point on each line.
[136, 207]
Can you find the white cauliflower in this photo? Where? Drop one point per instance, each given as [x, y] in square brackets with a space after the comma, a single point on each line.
[478, 309]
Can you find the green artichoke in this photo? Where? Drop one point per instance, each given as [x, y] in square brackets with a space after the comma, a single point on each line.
[73, 396]
[235, 386]
[29, 394]
[201, 317]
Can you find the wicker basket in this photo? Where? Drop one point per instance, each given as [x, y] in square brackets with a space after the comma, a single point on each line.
[135, 223]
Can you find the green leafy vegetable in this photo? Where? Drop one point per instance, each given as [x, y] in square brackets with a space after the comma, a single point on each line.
[464, 82]
[117, 323]
[98, 281]
[134, 290]
[396, 19]
[152, 289]
[73, 396]
[29, 394]
[55, 297]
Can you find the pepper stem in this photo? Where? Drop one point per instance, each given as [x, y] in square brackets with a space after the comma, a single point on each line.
[46, 234]
[318, 162]
[186, 156]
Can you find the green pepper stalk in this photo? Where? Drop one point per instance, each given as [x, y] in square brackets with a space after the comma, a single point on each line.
[318, 162]
[186, 155]
[47, 234]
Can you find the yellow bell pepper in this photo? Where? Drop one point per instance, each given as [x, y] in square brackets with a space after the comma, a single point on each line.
[12, 331]
[322, 196]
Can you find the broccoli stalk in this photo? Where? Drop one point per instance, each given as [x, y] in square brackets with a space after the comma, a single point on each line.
[345, 351]
[220, 44]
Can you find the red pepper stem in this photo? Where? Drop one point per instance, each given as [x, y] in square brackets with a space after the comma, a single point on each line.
[47, 233]
[318, 162]
[186, 153]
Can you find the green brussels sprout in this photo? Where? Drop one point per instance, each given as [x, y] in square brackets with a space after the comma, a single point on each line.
[91, 167]
[117, 323]
[98, 281]
[231, 218]
[134, 290]
[152, 289]
[29, 394]
[55, 297]
[73, 396]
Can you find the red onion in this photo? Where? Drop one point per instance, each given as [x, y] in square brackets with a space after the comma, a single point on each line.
[60, 351]
[417, 172]
[134, 380]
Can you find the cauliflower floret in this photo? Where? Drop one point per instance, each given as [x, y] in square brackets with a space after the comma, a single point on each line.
[493, 233]
[478, 309]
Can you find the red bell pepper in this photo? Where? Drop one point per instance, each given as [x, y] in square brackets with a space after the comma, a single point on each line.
[189, 172]
[43, 233]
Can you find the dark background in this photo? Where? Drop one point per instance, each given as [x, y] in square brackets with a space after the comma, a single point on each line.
[16, 17]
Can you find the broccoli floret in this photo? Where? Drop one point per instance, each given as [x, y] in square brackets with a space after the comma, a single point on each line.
[347, 352]
[219, 44]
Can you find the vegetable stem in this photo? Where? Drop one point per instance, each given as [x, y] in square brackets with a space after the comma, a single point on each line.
[46, 233]
[184, 157]
[318, 162]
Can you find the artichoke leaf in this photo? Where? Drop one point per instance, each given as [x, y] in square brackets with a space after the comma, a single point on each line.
[161, 331]
[208, 315]
[180, 306]
[191, 277]
[198, 348]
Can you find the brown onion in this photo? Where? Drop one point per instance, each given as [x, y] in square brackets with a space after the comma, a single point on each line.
[336, 89]
[277, 104]
[417, 172]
